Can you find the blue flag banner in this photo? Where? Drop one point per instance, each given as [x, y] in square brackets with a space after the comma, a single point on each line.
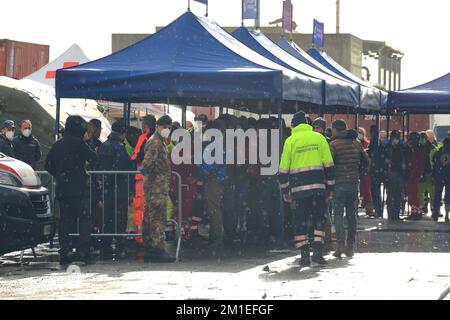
[319, 34]
[249, 9]
[202, 1]
[287, 15]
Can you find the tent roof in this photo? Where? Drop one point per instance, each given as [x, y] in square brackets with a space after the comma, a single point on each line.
[182, 61]
[337, 93]
[371, 98]
[71, 57]
[191, 61]
[430, 97]
[294, 50]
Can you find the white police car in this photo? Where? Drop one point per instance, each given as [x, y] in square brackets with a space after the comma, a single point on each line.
[26, 217]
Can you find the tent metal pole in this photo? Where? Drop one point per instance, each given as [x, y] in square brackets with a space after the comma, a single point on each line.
[258, 17]
[183, 116]
[242, 13]
[58, 116]
[281, 208]
[357, 109]
[408, 124]
[403, 125]
[378, 124]
[322, 106]
[124, 116]
[128, 115]
[388, 122]
[189, 5]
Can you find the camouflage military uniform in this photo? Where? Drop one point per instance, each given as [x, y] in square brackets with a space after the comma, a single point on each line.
[156, 188]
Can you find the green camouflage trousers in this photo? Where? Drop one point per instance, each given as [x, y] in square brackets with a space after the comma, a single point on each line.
[154, 223]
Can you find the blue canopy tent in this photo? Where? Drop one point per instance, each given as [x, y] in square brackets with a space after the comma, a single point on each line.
[192, 60]
[371, 98]
[430, 98]
[337, 93]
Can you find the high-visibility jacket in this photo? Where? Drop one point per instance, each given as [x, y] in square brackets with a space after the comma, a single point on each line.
[306, 166]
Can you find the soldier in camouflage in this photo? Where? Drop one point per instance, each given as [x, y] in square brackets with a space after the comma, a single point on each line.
[157, 169]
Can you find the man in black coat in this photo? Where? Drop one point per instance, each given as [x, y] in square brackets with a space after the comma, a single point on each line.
[112, 156]
[6, 138]
[66, 162]
[26, 147]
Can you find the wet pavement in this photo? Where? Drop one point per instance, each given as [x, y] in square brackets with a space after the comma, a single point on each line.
[402, 260]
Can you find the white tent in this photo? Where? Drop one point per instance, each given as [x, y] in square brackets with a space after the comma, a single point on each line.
[71, 57]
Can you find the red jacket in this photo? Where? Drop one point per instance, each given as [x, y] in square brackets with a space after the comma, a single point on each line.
[138, 155]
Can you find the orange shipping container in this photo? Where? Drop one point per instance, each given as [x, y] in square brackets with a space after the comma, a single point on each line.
[20, 59]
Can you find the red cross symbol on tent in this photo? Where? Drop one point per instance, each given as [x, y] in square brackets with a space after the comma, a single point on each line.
[50, 74]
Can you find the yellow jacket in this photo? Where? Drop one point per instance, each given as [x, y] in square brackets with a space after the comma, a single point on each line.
[306, 166]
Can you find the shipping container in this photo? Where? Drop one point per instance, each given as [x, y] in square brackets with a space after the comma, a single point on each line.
[20, 59]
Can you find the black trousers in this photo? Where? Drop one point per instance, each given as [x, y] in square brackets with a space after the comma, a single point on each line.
[375, 184]
[395, 187]
[74, 217]
[310, 218]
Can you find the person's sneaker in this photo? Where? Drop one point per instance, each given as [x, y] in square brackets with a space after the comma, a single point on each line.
[340, 250]
[305, 262]
[319, 260]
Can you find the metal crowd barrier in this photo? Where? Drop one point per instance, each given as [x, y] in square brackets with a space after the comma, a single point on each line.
[96, 174]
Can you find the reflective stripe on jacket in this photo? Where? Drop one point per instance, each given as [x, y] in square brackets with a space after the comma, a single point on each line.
[306, 166]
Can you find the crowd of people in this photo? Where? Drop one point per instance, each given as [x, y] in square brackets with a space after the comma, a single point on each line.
[23, 146]
[324, 172]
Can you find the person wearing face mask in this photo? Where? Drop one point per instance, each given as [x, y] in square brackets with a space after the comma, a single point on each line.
[200, 122]
[365, 183]
[112, 156]
[157, 171]
[26, 147]
[66, 162]
[6, 138]
[426, 188]
[441, 179]
[396, 175]
[148, 128]
[376, 152]
[416, 165]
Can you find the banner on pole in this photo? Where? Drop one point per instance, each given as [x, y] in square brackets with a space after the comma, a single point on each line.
[287, 15]
[249, 9]
[319, 34]
[202, 1]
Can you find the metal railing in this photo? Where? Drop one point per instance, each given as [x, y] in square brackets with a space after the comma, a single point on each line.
[99, 176]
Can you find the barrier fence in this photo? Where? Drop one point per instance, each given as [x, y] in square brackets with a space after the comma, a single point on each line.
[107, 186]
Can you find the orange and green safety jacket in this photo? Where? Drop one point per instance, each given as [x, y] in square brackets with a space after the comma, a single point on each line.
[306, 166]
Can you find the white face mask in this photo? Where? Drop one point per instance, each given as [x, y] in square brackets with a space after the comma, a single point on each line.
[9, 135]
[165, 133]
[26, 132]
[360, 137]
